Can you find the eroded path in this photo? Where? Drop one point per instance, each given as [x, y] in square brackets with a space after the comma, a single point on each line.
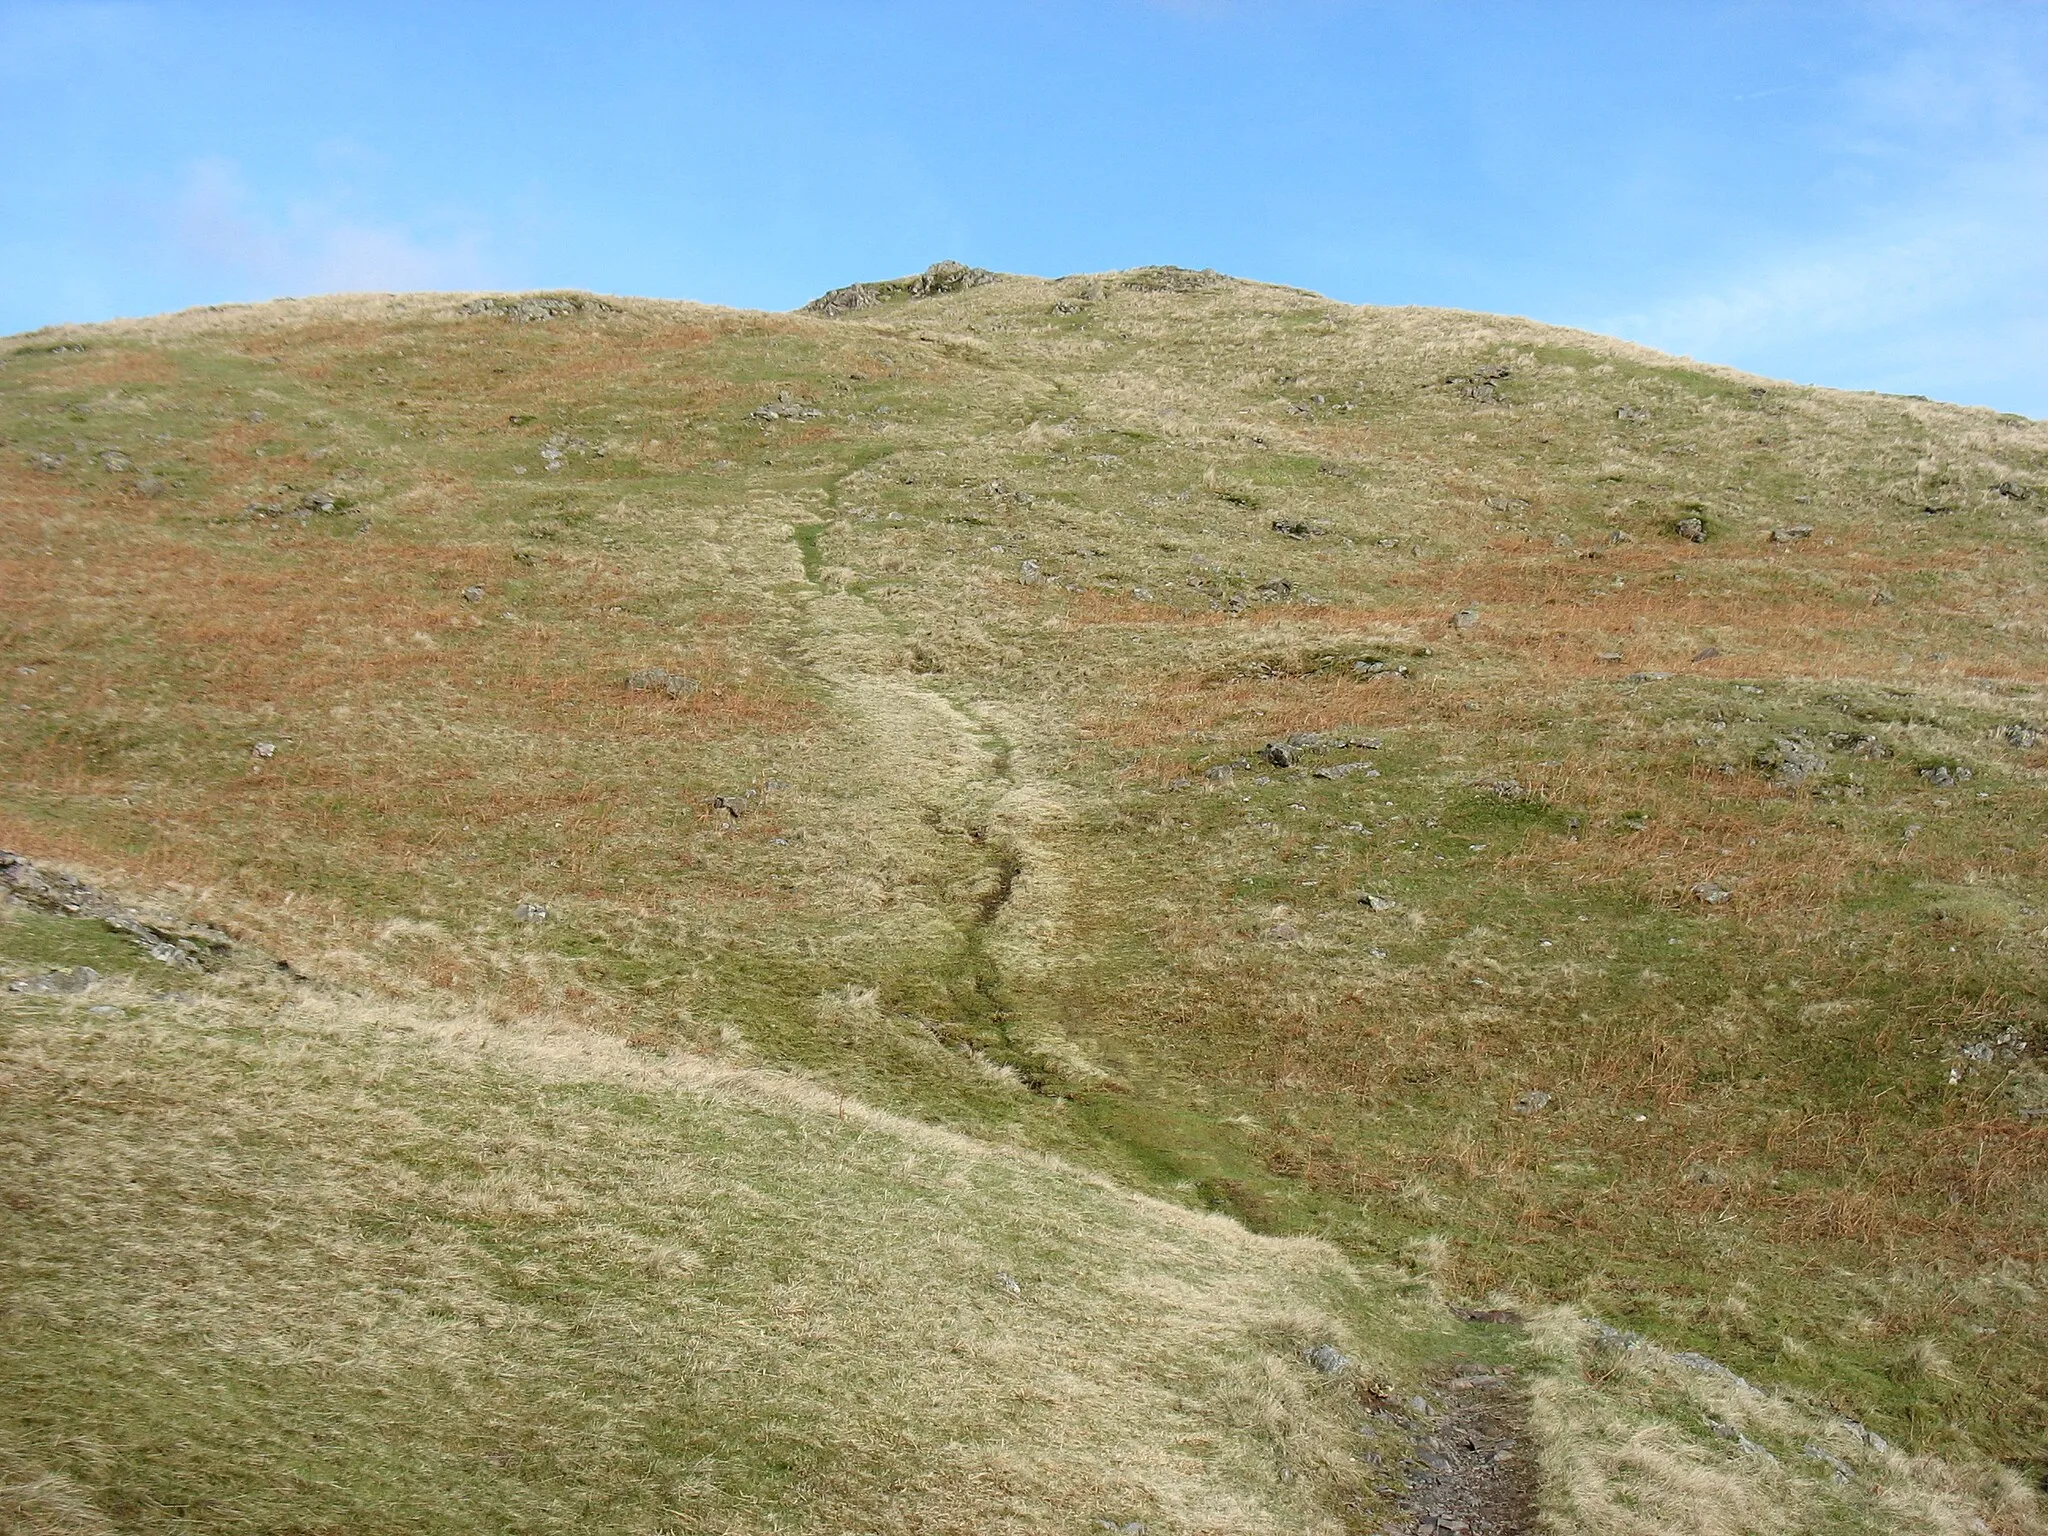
[1474, 1473]
[954, 811]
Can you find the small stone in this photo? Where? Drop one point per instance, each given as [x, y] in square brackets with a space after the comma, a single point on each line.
[1373, 903]
[1328, 1359]
[49, 461]
[114, 461]
[1869, 1437]
[1706, 1366]
[1281, 754]
[1788, 535]
[78, 978]
[1531, 1102]
[1706, 653]
[265, 749]
[1008, 1282]
[1647, 677]
[1841, 1471]
[727, 807]
[1222, 773]
[660, 680]
[1946, 775]
[2003, 1048]
[2011, 492]
[1345, 770]
[2020, 734]
[1465, 618]
[1729, 1432]
[1789, 760]
[1607, 1336]
[1497, 1315]
[1373, 666]
[1631, 413]
[472, 594]
[784, 408]
[1692, 528]
[1283, 933]
[1856, 744]
[530, 912]
[1713, 895]
[1029, 573]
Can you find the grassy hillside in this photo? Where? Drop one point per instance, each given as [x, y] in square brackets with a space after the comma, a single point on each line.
[313, 1263]
[281, 1258]
[885, 694]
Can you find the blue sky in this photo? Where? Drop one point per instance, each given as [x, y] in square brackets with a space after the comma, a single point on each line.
[1846, 194]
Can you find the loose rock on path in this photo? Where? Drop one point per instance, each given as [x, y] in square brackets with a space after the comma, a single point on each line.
[1474, 1472]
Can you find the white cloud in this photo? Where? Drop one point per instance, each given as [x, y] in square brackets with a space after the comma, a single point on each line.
[313, 245]
[1918, 308]
[1920, 264]
[1940, 286]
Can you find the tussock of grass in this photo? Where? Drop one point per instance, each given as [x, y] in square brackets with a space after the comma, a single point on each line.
[1637, 1442]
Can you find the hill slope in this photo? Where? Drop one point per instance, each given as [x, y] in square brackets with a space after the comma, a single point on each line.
[996, 700]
